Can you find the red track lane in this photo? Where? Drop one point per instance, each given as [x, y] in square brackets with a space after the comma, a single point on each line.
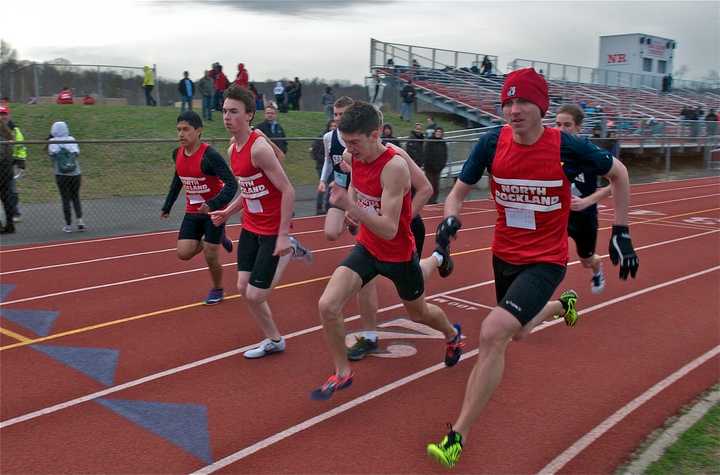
[232, 400]
[188, 335]
[656, 341]
[110, 303]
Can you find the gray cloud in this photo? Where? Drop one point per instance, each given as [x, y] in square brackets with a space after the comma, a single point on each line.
[280, 7]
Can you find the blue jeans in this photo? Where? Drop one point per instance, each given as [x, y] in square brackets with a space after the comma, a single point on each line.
[406, 111]
[185, 100]
[207, 105]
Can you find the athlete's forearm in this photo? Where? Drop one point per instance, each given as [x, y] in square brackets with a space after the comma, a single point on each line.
[173, 193]
[620, 183]
[383, 226]
[420, 199]
[453, 202]
[326, 170]
[599, 194]
[235, 204]
[287, 205]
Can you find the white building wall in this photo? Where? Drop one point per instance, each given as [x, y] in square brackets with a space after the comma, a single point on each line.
[635, 53]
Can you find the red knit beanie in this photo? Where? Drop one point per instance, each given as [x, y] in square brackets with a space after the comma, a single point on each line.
[526, 84]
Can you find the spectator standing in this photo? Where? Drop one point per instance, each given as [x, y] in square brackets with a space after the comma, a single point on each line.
[6, 176]
[242, 78]
[486, 66]
[186, 88]
[259, 99]
[414, 148]
[65, 96]
[327, 100]
[221, 83]
[408, 95]
[711, 123]
[387, 136]
[207, 90]
[272, 128]
[148, 85]
[298, 88]
[67, 173]
[317, 152]
[279, 93]
[430, 127]
[292, 95]
[435, 160]
[19, 157]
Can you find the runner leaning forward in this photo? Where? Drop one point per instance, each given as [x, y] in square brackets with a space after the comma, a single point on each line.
[209, 186]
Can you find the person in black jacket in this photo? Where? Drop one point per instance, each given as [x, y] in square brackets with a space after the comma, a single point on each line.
[186, 88]
[272, 128]
[387, 135]
[414, 148]
[435, 161]
[317, 152]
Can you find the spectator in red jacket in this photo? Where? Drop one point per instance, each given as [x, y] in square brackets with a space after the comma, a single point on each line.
[221, 83]
[243, 78]
[65, 96]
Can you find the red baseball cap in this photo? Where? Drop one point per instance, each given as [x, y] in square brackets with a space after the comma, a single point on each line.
[4, 109]
[526, 84]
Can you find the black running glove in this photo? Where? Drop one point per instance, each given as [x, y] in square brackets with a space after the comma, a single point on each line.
[447, 229]
[621, 251]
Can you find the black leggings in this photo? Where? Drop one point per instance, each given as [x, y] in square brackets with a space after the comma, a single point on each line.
[6, 196]
[69, 187]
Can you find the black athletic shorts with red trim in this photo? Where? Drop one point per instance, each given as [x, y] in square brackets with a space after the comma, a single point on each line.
[255, 255]
[523, 290]
[583, 229]
[407, 276]
[196, 225]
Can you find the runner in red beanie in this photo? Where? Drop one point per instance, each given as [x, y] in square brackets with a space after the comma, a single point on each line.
[526, 84]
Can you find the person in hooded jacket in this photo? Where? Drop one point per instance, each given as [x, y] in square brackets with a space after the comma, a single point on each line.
[414, 148]
[436, 155]
[243, 78]
[67, 173]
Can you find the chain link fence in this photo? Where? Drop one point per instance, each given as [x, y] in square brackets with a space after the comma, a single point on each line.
[124, 182]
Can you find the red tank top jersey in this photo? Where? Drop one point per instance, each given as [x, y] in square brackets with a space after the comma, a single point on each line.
[532, 197]
[368, 188]
[260, 199]
[199, 187]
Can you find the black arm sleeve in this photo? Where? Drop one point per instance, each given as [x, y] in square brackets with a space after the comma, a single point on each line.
[214, 164]
[175, 187]
[582, 156]
[480, 158]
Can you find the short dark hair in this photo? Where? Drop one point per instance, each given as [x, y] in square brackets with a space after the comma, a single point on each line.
[360, 117]
[573, 110]
[241, 94]
[192, 118]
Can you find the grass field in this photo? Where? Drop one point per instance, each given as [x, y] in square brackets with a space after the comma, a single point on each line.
[697, 451]
[146, 168]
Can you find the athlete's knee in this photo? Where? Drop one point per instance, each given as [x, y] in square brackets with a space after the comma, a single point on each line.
[255, 295]
[497, 329]
[332, 235]
[587, 262]
[329, 307]
[184, 255]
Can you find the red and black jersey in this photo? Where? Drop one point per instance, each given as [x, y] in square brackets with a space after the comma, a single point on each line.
[368, 188]
[261, 200]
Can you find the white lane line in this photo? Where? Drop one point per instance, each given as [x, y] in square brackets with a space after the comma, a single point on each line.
[605, 210]
[264, 443]
[142, 235]
[675, 189]
[571, 452]
[468, 302]
[182, 272]
[211, 359]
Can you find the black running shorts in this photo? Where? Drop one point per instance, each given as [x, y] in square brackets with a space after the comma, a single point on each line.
[407, 276]
[523, 290]
[255, 255]
[196, 225]
[583, 228]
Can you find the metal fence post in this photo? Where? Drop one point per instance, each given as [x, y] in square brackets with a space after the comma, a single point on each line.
[667, 159]
[36, 81]
[99, 83]
[157, 84]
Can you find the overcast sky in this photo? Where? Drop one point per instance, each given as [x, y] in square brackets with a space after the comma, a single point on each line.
[331, 39]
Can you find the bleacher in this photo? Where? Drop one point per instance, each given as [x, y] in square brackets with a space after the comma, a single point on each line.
[636, 110]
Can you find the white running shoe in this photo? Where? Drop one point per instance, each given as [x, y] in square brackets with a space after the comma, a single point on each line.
[300, 252]
[597, 283]
[81, 225]
[266, 347]
[67, 229]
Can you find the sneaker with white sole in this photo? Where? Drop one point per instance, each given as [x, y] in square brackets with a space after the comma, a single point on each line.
[80, 225]
[67, 228]
[597, 283]
[300, 252]
[266, 347]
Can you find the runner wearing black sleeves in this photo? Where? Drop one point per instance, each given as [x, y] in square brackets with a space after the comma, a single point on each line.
[209, 186]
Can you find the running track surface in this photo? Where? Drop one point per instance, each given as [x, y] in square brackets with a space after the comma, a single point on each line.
[110, 364]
